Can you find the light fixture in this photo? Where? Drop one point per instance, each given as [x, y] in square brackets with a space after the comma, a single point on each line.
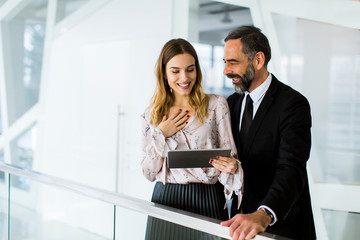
[226, 18]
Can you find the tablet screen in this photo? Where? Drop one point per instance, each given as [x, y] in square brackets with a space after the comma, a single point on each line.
[197, 158]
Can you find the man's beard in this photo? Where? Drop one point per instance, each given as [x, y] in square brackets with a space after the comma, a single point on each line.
[245, 81]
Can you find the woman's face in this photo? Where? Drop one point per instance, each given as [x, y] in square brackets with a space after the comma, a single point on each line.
[181, 74]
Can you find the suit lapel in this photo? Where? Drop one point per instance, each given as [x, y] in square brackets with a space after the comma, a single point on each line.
[261, 113]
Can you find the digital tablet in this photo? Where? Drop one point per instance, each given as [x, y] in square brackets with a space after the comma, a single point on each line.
[197, 158]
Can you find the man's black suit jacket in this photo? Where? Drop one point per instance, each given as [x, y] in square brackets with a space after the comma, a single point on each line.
[274, 159]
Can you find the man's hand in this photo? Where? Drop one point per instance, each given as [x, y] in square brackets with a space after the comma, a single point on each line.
[246, 226]
[225, 164]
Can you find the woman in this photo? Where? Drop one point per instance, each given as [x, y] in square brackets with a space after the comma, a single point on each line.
[182, 116]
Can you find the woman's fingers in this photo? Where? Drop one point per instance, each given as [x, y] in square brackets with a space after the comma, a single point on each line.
[179, 118]
[182, 125]
[217, 164]
[175, 114]
[182, 117]
[182, 121]
[174, 122]
[225, 164]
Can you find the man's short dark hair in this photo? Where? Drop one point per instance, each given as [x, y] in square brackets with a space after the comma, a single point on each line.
[253, 41]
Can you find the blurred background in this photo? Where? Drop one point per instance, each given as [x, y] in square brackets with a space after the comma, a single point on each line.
[75, 76]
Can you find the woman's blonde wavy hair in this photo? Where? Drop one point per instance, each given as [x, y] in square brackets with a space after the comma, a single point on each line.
[163, 99]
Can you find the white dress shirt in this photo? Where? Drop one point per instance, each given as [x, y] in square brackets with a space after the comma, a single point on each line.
[257, 96]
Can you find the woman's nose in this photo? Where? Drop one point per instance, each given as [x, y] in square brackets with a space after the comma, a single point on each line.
[183, 76]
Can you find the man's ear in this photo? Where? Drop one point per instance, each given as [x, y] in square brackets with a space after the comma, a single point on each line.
[259, 60]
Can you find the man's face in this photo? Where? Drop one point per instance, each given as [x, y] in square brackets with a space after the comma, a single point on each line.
[237, 66]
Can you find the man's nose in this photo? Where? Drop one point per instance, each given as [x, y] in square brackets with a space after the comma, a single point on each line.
[226, 70]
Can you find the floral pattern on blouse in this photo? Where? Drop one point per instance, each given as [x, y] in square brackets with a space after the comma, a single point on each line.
[215, 132]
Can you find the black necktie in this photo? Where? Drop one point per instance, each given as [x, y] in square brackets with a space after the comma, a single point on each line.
[246, 121]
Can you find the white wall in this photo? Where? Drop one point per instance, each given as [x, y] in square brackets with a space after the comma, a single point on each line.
[105, 61]
[94, 67]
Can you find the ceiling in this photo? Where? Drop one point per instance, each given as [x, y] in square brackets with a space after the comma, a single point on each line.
[216, 19]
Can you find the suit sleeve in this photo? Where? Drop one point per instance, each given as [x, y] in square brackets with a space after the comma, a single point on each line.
[294, 148]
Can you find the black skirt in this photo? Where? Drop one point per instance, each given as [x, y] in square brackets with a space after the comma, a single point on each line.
[204, 199]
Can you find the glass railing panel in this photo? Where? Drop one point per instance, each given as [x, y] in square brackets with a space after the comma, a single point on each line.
[4, 205]
[124, 222]
[22, 154]
[46, 212]
[55, 208]
[341, 225]
[152, 228]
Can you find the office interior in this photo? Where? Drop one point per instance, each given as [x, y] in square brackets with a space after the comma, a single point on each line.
[75, 76]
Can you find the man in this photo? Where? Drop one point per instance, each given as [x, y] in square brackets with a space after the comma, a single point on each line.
[271, 129]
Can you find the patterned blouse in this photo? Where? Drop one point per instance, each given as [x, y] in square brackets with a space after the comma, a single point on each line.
[215, 132]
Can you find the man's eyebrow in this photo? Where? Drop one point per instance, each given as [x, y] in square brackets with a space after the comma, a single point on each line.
[230, 60]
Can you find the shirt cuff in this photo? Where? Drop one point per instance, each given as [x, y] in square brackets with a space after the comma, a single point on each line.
[274, 220]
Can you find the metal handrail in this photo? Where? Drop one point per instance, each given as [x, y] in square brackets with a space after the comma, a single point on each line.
[166, 213]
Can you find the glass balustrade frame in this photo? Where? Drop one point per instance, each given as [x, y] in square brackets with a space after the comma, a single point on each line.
[117, 200]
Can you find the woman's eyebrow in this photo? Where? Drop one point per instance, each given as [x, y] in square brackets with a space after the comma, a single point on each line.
[192, 65]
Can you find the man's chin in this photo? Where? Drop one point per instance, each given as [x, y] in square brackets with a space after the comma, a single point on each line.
[238, 88]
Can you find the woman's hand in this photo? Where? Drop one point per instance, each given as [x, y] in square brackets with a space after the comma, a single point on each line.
[225, 164]
[175, 122]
